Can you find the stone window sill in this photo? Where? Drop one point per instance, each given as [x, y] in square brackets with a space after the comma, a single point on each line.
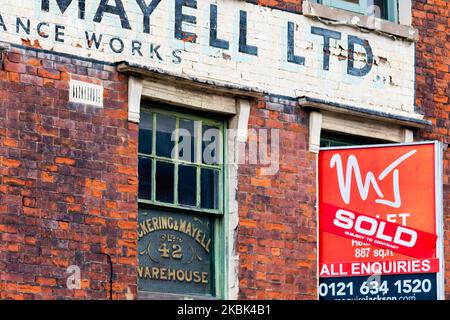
[342, 17]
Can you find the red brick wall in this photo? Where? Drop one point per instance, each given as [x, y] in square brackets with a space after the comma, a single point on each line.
[68, 180]
[433, 89]
[277, 228]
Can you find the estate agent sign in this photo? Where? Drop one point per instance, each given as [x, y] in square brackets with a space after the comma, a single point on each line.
[380, 217]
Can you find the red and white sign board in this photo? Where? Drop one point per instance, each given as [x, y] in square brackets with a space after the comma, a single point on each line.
[378, 210]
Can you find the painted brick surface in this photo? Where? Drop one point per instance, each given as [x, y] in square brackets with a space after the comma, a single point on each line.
[392, 72]
[68, 181]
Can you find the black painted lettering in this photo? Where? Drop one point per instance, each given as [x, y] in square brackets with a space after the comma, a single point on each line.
[243, 43]
[176, 56]
[213, 40]
[25, 26]
[136, 47]
[42, 33]
[180, 34]
[291, 57]
[351, 69]
[327, 35]
[92, 39]
[154, 51]
[113, 45]
[64, 4]
[2, 23]
[147, 11]
[116, 9]
[59, 33]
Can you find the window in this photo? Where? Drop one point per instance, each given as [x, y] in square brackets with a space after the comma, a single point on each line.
[180, 161]
[180, 222]
[384, 9]
[333, 139]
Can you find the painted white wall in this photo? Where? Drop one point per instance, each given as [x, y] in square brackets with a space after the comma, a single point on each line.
[388, 88]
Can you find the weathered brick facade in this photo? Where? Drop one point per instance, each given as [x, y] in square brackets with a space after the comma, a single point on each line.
[69, 176]
[68, 180]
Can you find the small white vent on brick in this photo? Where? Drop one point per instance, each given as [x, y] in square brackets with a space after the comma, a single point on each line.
[86, 93]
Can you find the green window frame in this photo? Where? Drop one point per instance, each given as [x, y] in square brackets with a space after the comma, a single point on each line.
[151, 110]
[389, 8]
[179, 163]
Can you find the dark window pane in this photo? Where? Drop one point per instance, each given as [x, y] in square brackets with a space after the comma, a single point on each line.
[164, 181]
[210, 189]
[187, 185]
[210, 145]
[187, 140]
[145, 133]
[145, 178]
[165, 126]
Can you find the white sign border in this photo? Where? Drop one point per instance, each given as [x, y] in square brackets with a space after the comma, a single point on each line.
[438, 154]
